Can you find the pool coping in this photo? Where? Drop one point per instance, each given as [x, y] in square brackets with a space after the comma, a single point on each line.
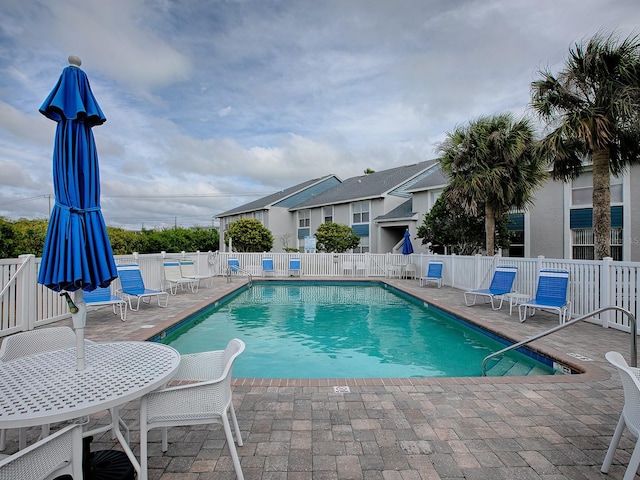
[588, 372]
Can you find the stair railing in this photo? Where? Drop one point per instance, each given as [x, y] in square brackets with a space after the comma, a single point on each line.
[632, 326]
[238, 270]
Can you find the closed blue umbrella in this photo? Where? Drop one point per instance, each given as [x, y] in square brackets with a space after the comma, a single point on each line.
[77, 253]
[407, 247]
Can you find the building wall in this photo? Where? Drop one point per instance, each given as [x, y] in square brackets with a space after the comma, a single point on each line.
[546, 232]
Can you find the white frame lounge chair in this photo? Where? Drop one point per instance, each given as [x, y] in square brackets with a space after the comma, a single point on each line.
[361, 267]
[103, 296]
[551, 295]
[173, 278]
[188, 270]
[347, 267]
[132, 286]
[204, 397]
[410, 270]
[629, 417]
[295, 267]
[268, 269]
[501, 284]
[434, 273]
[53, 456]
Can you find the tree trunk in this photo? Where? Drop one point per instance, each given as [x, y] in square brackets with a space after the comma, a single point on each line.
[601, 205]
[490, 228]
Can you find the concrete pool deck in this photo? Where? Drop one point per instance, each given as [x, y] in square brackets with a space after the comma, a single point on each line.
[543, 427]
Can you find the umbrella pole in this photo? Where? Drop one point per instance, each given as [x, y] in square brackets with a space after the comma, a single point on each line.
[79, 321]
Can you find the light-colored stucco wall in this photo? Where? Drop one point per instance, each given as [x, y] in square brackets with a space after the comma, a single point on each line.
[545, 235]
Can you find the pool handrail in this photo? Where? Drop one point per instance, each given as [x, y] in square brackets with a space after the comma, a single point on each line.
[236, 269]
[632, 328]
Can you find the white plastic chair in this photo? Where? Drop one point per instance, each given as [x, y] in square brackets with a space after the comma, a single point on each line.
[347, 268]
[55, 455]
[410, 271]
[361, 267]
[630, 416]
[205, 399]
[188, 270]
[173, 278]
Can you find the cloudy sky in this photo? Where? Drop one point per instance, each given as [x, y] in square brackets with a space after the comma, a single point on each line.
[213, 103]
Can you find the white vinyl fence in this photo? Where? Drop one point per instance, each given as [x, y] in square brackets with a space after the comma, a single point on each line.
[25, 304]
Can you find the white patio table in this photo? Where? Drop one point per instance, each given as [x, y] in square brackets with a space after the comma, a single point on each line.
[47, 388]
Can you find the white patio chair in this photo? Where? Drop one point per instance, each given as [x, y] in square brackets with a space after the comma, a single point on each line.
[38, 341]
[205, 399]
[173, 278]
[630, 416]
[410, 271]
[361, 267]
[55, 455]
[188, 270]
[347, 268]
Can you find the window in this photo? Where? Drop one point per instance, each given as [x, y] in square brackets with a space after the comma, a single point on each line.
[259, 216]
[516, 234]
[327, 214]
[304, 218]
[582, 190]
[582, 241]
[363, 246]
[360, 212]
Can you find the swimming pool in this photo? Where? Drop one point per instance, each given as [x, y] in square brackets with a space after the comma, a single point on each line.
[340, 330]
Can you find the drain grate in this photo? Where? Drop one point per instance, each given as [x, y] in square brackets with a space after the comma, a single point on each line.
[341, 389]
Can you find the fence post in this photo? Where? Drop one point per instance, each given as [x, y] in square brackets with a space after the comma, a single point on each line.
[27, 288]
[453, 270]
[605, 290]
[478, 273]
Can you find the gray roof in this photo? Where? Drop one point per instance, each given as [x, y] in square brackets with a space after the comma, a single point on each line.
[435, 177]
[401, 212]
[265, 202]
[372, 185]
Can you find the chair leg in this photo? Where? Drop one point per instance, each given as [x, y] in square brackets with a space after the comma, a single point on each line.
[232, 447]
[634, 462]
[235, 425]
[613, 445]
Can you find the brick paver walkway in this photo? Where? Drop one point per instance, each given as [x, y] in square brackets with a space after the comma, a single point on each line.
[552, 428]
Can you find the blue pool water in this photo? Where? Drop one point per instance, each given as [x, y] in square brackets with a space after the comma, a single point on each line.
[324, 330]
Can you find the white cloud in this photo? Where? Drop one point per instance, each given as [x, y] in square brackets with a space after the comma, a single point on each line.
[224, 99]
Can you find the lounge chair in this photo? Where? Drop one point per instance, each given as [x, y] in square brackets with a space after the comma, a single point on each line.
[501, 284]
[132, 286]
[102, 296]
[173, 278]
[361, 267]
[551, 294]
[434, 274]
[295, 267]
[233, 265]
[629, 417]
[267, 267]
[188, 270]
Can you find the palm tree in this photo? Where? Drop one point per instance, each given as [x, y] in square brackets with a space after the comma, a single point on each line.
[493, 164]
[592, 109]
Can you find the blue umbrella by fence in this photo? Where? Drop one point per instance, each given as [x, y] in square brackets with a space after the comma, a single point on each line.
[77, 253]
[407, 247]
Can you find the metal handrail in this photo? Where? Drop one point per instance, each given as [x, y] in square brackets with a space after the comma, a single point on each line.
[240, 270]
[632, 325]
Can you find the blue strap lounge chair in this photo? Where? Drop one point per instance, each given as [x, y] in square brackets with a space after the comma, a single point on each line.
[434, 273]
[295, 267]
[233, 265]
[551, 294]
[132, 286]
[501, 284]
[102, 296]
[267, 267]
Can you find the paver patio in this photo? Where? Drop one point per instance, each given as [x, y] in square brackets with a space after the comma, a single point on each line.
[551, 427]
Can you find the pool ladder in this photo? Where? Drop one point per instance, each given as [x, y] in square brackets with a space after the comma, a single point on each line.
[238, 270]
[632, 327]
